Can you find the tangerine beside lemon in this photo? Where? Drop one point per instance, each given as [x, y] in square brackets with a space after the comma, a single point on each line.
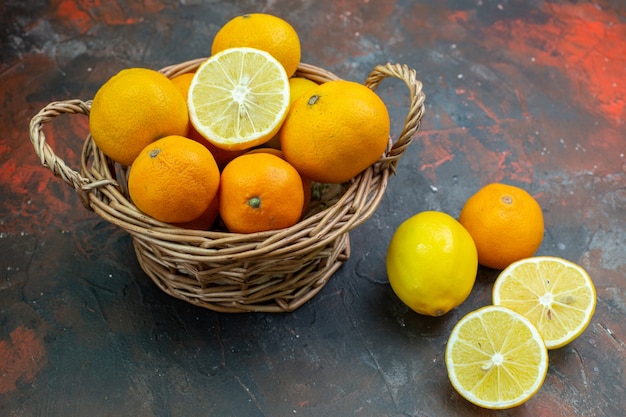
[505, 222]
[133, 108]
[260, 192]
[262, 31]
[174, 179]
[335, 131]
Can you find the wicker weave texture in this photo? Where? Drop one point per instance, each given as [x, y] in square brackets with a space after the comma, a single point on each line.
[275, 271]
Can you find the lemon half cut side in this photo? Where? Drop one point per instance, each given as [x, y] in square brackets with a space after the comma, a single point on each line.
[239, 98]
[555, 294]
[496, 358]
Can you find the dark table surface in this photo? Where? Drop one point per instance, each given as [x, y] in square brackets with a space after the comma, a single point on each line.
[531, 93]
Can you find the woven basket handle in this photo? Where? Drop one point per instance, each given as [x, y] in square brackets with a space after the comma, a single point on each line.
[46, 154]
[416, 106]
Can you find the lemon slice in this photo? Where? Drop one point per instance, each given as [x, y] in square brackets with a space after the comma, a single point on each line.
[238, 98]
[496, 358]
[556, 295]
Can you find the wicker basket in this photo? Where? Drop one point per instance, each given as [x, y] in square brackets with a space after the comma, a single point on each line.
[276, 271]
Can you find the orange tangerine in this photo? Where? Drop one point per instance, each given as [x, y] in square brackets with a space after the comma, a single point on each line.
[262, 31]
[134, 108]
[174, 179]
[335, 131]
[260, 192]
[505, 222]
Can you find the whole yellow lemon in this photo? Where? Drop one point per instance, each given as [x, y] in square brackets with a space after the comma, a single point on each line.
[432, 263]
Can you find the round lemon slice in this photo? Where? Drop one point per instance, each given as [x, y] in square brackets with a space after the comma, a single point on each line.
[556, 295]
[496, 358]
[238, 98]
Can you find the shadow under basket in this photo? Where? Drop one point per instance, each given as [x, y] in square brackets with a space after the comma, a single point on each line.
[275, 271]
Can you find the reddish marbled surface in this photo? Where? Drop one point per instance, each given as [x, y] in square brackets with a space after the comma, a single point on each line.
[529, 93]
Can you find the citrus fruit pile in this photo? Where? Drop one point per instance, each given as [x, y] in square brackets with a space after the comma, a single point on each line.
[187, 140]
[497, 355]
[243, 138]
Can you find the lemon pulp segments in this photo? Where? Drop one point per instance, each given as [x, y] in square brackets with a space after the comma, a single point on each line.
[496, 358]
[556, 295]
[239, 98]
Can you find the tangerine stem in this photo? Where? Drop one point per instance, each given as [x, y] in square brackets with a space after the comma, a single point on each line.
[254, 202]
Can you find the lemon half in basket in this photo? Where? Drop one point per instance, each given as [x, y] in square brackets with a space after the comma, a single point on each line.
[239, 98]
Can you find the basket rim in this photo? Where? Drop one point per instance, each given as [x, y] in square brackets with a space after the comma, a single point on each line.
[103, 192]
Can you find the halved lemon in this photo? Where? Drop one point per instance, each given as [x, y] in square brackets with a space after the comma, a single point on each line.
[496, 358]
[239, 98]
[556, 295]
